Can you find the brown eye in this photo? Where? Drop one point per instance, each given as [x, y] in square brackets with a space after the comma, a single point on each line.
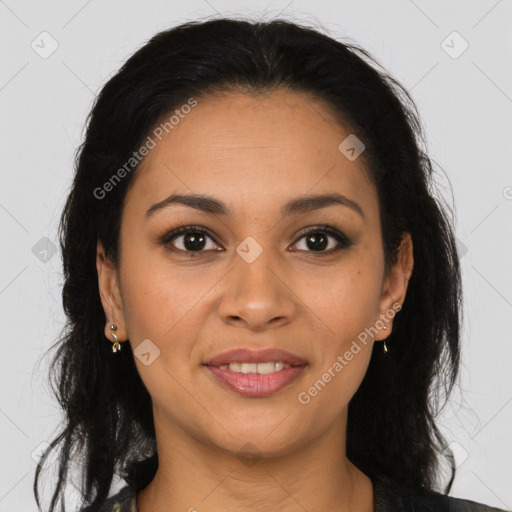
[324, 237]
[193, 240]
[190, 239]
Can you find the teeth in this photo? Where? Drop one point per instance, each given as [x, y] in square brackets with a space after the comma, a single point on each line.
[260, 368]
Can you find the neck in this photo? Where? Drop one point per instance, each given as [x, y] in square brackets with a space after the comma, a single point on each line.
[194, 476]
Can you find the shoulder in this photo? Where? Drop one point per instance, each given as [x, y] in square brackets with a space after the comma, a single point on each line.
[123, 501]
[393, 497]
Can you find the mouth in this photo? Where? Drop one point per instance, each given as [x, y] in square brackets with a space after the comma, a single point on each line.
[256, 373]
[256, 368]
[247, 356]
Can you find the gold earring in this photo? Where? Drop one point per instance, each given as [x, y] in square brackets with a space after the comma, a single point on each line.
[116, 346]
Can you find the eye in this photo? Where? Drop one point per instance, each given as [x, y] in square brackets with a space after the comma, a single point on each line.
[194, 240]
[317, 240]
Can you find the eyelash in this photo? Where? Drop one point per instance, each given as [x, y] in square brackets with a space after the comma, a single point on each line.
[343, 241]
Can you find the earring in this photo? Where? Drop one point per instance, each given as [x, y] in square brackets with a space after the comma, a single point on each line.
[116, 346]
[384, 342]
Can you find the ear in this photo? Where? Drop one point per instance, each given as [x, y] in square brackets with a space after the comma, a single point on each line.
[395, 287]
[110, 295]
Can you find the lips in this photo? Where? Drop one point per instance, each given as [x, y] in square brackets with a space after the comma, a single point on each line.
[246, 355]
[253, 385]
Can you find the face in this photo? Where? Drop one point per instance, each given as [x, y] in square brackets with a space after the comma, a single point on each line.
[256, 276]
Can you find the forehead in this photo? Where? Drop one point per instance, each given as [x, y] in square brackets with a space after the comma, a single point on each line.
[249, 149]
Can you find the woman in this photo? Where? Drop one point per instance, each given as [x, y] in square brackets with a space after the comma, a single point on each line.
[262, 292]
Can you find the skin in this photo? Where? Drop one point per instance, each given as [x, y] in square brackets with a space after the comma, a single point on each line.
[255, 153]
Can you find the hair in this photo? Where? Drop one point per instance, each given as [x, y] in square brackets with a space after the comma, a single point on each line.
[391, 429]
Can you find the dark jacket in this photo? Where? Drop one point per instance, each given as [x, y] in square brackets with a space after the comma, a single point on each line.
[388, 497]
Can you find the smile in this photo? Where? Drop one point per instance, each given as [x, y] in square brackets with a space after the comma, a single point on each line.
[256, 379]
[260, 368]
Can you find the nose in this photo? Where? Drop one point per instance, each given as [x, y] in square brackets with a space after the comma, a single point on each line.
[258, 294]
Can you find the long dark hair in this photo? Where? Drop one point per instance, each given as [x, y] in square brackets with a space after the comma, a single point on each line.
[391, 430]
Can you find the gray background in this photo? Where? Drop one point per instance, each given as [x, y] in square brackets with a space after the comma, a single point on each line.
[465, 101]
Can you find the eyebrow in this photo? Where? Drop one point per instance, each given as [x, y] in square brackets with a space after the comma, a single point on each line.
[296, 206]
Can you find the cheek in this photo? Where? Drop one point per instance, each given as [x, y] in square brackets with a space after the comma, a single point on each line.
[331, 389]
[344, 307]
[343, 352]
[161, 305]
[155, 294]
[347, 301]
